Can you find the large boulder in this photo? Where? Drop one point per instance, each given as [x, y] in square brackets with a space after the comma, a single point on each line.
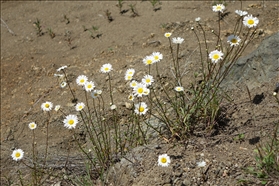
[257, 68]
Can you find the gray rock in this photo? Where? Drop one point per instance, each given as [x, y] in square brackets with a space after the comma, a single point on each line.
[259, 67]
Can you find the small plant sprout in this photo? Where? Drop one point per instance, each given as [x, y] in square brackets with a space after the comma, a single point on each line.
[108, 15]
[120, 5]
[81, 80]
[250, 21]
[32, 125]
[134, 11]
[66, 19]
[47, 106]
[106, 68]
[17, 154]
[141, 108]
[70, 121]
[80, 106]
[234, 40]
[38, 27]
[215, 56]
[51, 33]
[154, 3]
[164, 160]
[218, 8]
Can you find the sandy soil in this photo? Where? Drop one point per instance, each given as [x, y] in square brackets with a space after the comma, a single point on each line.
[29, 62]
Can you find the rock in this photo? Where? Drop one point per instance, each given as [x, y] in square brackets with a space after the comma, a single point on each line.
[258, 67]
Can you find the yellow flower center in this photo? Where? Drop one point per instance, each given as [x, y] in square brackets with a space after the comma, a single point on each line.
[32, 125]
[234, 40]
[47, 105]
[149, 61]
[141, 109]
[89, 86]
[80, 107]
[215, 56]
[129, 77]
[156, 57]
[106, 69]
[250, 21]
[134, 84]
[17, 155]
[82, 80]
[164, 160]
[168, 35]
[140, 90]
[148, 80]
[130, 97]
[71, 122]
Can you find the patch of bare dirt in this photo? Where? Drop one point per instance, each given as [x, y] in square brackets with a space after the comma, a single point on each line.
[29, 62]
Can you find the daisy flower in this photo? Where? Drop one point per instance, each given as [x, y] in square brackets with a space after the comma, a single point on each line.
[141, 108]
[63, 84]
[106, 68]
[32, 125]
[57, 107]
[147, 80]
[177, 40]
[164, 160]
[128, 77]
[17, 154]
[218, 8]
[81, 80]
[131, 97]
[89, 85]
[146, 91]
[133, 84]
[99, 92]
[168, 34]
[94, 94]
[241, 13]
[61, 68]
[139, 89]
[70, 121]
[201, 164]
[215, 56]
[250, 21]
[179, 89]
[157, 56]
[148, 60]
[130, 71]
[47, 106]
[113, 107]
[80, 106]
[58, 75]
[234, 40]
